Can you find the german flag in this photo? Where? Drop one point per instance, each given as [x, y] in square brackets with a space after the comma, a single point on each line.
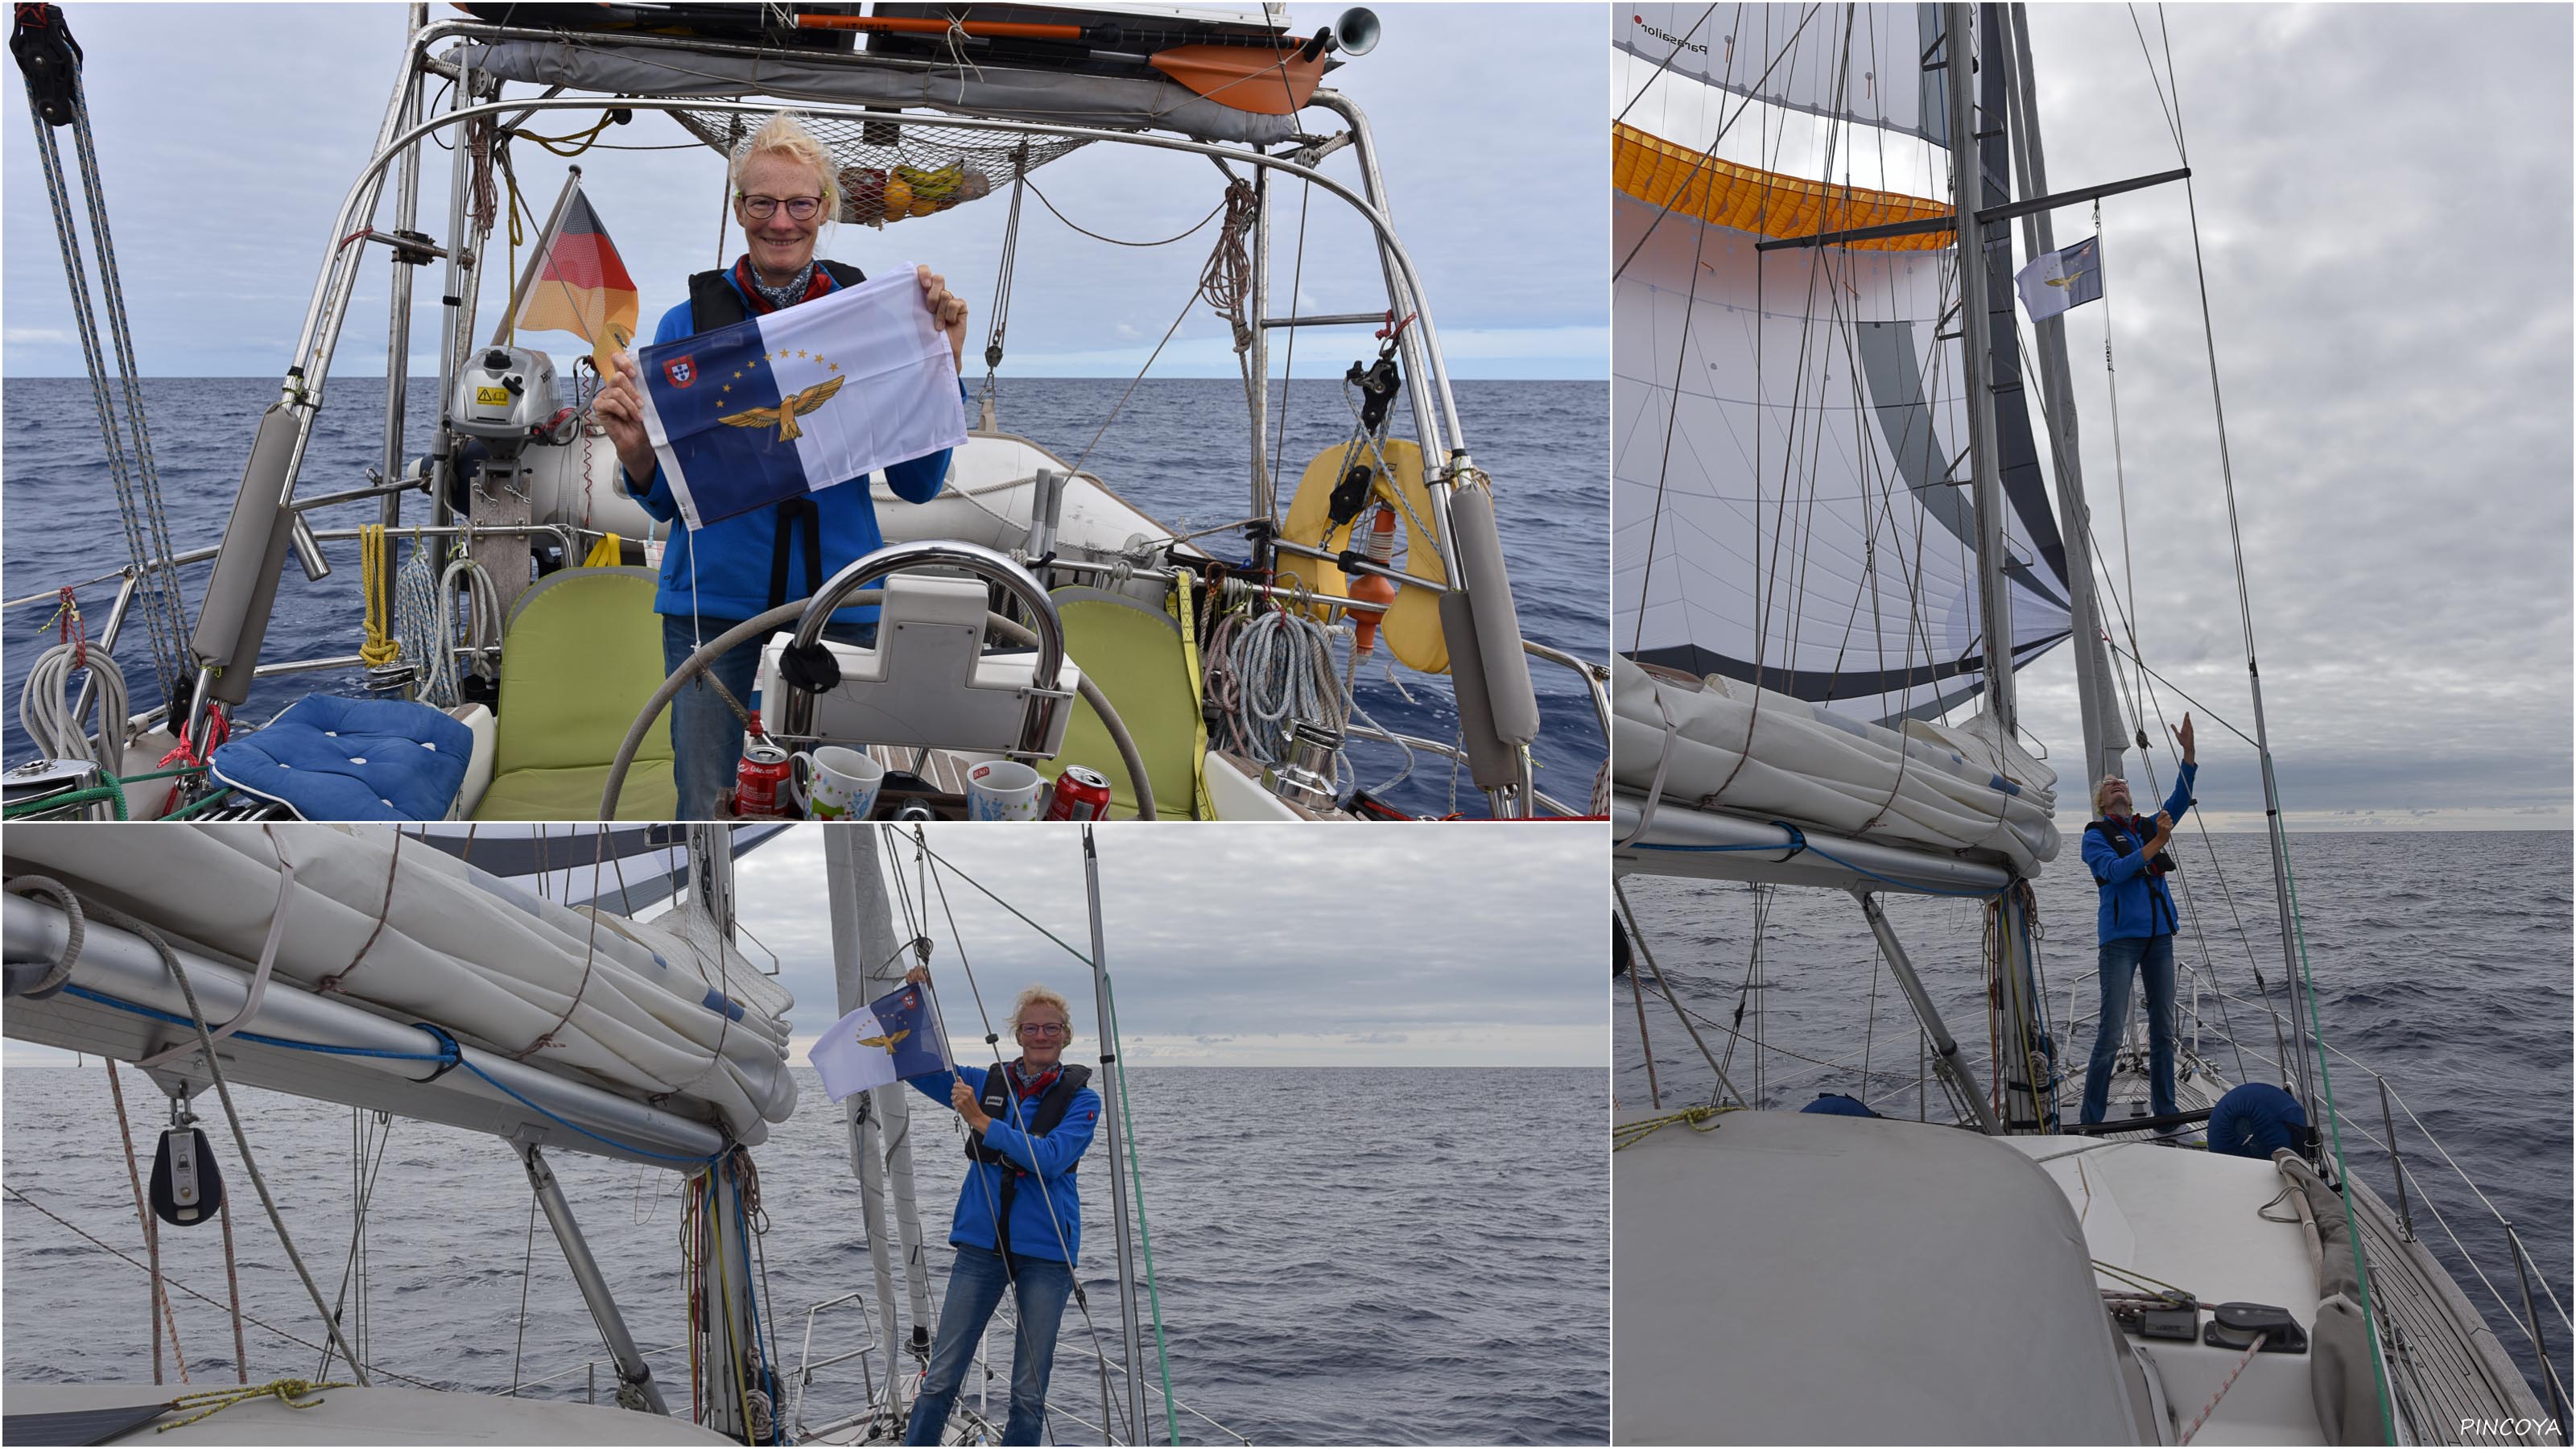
[577, 283]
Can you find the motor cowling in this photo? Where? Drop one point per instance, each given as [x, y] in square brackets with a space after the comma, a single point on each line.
[508, 398]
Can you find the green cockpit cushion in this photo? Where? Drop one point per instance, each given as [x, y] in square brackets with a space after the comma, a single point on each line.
[579, 660]
[1134, 652]
[573, 794]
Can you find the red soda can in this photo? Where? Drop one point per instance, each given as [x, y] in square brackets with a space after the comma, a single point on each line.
[760, 786]
[1080, 794]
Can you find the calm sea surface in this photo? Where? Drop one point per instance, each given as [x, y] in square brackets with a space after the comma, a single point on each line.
[1177, 450]
[1345, 1255]
[2442, 962]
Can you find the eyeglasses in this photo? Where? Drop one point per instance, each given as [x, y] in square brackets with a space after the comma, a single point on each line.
[1045, 1028]
[762, 208]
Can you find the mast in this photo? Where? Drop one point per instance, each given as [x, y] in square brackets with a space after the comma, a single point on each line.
[1976, 347]
[863, 928]
[2020, 1049]
[1110, 1097]
[2104, 734]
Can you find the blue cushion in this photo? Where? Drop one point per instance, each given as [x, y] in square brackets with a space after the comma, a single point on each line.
[1838, 1104]
[331, 758]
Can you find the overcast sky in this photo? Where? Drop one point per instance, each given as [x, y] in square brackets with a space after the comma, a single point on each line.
[2384, 198]
[221, 189]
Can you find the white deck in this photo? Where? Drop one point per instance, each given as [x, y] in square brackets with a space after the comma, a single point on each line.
[2195, 1220]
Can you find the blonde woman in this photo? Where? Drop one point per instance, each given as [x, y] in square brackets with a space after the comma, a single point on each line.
[715, 577]
[1018, 1225]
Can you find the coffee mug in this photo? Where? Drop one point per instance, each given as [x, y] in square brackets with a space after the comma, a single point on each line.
[1002, 790]
[833, 783]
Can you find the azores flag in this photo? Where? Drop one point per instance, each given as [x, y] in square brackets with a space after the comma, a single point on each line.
[784, 404]
[2061, 279]
[891, 1038]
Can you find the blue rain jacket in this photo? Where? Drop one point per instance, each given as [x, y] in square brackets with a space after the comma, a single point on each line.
[1052, 1158]
[733, 558]
[2134, 899]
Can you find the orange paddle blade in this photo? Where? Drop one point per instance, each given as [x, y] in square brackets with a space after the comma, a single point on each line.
[1248, 78]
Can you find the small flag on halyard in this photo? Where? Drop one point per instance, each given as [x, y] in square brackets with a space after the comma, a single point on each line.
[577, 283]
[2062, 279]
[891, 1038]
[789, 402]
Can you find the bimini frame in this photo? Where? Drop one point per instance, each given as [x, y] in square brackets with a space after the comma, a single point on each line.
[266, 514]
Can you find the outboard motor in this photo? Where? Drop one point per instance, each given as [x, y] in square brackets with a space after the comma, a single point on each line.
[506, 396]
[506, 402]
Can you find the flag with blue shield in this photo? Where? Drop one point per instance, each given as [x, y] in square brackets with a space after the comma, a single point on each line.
[891, 1038]
[779, 405]
[2061, 279]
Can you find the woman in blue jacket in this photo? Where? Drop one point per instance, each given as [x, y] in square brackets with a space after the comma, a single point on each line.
[2135, 925]
[1018, 1225]
[717, 576]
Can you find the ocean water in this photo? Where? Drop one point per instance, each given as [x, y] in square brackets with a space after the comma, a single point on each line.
[2442, 962]
[1178, 449]
[1345, 1255]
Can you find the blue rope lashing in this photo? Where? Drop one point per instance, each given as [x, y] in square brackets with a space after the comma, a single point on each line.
[450, 1054]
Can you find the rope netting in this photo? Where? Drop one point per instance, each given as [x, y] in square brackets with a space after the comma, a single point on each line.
[889, 170]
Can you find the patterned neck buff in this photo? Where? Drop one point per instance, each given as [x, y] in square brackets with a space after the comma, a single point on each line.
[786, 296]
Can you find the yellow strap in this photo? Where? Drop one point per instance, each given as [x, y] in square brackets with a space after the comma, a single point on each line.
[285, 1391]
[374, 567]
[603, 554]
[1190, 655]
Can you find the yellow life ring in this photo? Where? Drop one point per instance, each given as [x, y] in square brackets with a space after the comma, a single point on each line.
[1412, 627]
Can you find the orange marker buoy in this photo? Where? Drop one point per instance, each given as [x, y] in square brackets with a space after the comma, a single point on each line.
[1370, 588]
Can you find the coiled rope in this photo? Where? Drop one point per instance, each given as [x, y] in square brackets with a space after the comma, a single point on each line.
[215, 1401]
[1281, 664]
[374, 558]
[425, 620]
[45, 708]
[1629, 1134]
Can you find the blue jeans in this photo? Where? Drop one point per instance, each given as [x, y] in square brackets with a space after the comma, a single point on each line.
[2151, 957]
[706, 740]
[975, 1286]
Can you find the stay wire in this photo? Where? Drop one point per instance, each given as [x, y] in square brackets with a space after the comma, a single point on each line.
[250, 1318]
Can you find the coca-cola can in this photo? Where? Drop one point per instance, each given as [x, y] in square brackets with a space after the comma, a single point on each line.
[1080, 794]
[760, 786]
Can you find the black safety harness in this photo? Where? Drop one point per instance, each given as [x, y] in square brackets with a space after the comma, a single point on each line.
[1001, 1103]
[716, 300]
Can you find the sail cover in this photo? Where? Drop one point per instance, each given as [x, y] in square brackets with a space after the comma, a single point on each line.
[1791, 495]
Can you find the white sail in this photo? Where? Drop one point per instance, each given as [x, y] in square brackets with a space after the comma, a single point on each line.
[1860, 62]
[1790, 426]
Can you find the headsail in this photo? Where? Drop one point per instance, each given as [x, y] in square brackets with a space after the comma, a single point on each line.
[1790, 480]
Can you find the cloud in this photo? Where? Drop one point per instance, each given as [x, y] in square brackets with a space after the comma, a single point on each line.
[2398, 407]
[1235, 946]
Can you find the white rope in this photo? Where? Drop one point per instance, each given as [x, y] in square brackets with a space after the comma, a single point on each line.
[425, 620]
[45, 711]
[1283, 664]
